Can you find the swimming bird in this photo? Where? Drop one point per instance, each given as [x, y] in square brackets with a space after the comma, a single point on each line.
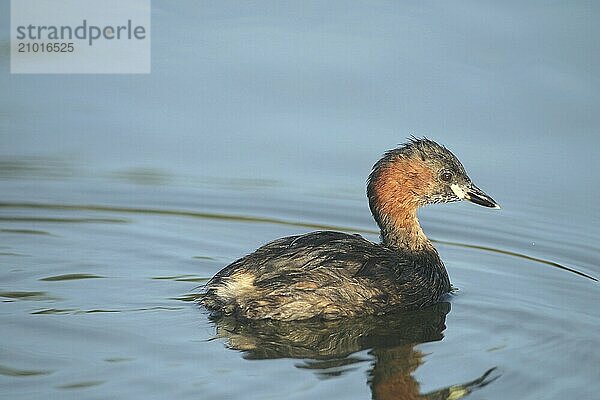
[330, 275]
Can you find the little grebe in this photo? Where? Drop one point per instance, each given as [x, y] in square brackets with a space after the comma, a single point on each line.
[331, 275]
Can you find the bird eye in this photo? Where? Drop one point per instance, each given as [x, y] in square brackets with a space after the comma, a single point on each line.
[446, 176]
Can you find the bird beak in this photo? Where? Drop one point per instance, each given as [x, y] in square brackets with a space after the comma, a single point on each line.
[474, 195]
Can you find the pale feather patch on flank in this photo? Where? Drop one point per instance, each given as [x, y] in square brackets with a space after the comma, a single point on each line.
[236, 285]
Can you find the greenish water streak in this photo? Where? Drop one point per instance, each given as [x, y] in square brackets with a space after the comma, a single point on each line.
[243, 218]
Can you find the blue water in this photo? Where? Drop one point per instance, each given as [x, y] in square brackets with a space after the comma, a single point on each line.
[121, 194]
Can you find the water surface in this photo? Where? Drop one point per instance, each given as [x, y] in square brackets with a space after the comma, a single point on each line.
[120, 195]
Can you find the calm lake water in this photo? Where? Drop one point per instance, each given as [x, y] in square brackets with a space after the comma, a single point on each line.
[121, 194]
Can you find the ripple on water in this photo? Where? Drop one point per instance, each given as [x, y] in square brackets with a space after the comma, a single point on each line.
[8, 371]
[137, 303]
[80, 385]
[28, 296]
[70, 277]
[24, 231]
[182, 278]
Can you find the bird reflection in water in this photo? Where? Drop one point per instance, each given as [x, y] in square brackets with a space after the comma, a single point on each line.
[329, 347]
